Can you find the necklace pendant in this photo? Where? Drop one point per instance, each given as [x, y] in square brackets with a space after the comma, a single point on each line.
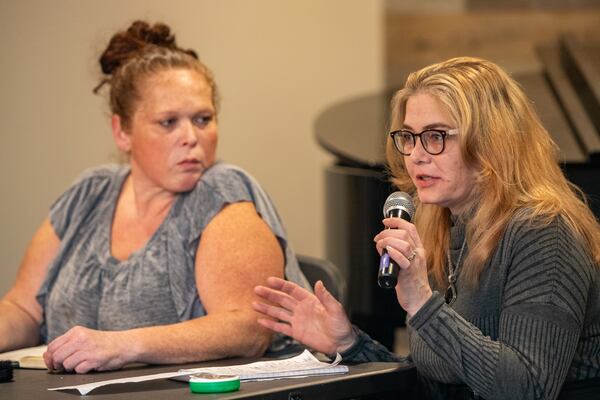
[450, 296]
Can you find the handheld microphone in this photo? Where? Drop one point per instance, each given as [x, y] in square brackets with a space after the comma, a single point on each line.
[397, 205]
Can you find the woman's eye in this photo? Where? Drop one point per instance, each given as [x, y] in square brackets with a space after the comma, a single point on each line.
[203, 120]
[167, 123]
[435, 137]
[406, 136]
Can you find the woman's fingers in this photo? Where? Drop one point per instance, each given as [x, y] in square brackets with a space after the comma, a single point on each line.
[287, 287]
[325, 297]
[59, 350]
[399, 223]
[53, 346]
[276, 297]
[403, 259]
[397, 244]
[401, 241]
[272, 311]
[276, 326]
[73, 361]
[399, 229]
[58, 342]
[85, 367]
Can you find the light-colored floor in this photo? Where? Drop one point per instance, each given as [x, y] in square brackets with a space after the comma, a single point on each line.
[401, 342]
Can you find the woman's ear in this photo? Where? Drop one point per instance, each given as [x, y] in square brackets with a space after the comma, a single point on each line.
[122, 139]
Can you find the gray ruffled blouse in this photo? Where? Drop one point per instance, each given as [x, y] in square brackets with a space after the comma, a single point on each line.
[85, 285]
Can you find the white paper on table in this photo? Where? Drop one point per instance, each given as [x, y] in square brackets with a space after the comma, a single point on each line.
[304, 364]
[88, 387]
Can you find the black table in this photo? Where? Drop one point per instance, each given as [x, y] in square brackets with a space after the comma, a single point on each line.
[386, 380]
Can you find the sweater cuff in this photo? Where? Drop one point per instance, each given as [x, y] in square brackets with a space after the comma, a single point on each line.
[427, 311]
[356, 346]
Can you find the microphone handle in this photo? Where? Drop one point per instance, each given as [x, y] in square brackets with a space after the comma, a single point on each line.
[387, 278]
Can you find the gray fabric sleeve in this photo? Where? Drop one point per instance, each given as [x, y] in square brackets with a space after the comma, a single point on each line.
[366, 349]
[80, 198]
[542, 314]
[226, 184]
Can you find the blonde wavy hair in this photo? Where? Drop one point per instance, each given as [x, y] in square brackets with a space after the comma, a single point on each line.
[516, 159]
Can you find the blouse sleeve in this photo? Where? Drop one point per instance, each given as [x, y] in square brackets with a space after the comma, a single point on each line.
[220, 185]
[542, 315]
[74, 205]
[227, 184]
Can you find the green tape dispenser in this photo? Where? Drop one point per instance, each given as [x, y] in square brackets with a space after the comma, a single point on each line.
[210, 383]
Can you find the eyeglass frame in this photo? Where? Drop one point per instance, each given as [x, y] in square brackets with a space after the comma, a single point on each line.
[443, 132]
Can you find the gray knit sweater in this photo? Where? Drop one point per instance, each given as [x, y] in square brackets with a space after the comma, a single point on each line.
[531, 324]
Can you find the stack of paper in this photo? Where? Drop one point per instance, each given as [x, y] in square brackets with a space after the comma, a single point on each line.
[304, 364]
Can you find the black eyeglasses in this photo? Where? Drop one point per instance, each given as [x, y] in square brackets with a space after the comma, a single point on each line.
[433, 140]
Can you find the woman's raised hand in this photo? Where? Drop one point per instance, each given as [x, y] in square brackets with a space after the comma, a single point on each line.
[315, 320]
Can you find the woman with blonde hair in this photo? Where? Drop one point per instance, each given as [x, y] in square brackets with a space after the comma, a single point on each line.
[499, 274]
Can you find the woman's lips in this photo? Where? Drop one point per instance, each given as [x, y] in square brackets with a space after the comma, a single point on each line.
[191, 163]
[425, 181]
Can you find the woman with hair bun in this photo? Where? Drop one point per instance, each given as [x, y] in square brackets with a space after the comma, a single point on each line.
[154, 261]
[500, 272]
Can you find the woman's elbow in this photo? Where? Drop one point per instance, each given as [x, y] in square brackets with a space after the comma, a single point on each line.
[259, 342]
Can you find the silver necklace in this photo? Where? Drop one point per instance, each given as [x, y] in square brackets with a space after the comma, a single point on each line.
[452, 274]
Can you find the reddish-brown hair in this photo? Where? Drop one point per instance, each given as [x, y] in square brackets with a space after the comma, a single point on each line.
[138, 52]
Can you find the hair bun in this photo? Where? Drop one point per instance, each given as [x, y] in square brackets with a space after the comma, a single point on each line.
[159, 34]
[126, 44]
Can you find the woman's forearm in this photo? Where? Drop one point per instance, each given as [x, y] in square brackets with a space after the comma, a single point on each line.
[17, 328]
[220, 335]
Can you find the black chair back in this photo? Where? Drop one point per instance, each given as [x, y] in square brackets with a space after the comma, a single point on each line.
[319, 269]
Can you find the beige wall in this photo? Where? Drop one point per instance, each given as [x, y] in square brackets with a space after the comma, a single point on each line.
[278, 64]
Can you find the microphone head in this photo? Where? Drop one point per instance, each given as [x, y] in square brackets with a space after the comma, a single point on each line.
[399, 200]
